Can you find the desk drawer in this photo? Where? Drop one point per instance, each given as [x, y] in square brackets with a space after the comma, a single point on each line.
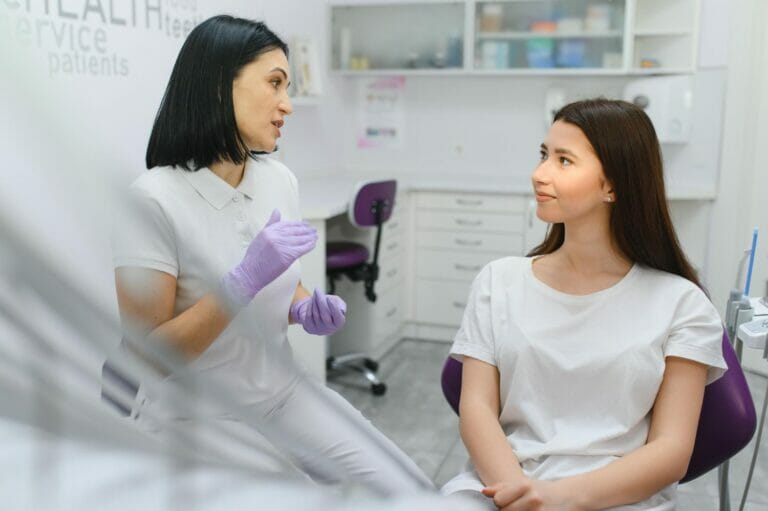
[469, 221]
[470, 201]
[391, 271]
[452, 264]
[440, 302]
[389, 314]
[391, 247]
[509, 244]
[394, 227]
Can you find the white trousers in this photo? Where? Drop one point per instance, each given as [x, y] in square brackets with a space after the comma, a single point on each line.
[337, 444]
[307, 423]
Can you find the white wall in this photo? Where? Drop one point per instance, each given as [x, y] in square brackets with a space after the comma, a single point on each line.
[741, 204]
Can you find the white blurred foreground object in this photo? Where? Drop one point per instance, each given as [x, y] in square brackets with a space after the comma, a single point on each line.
[61, 447]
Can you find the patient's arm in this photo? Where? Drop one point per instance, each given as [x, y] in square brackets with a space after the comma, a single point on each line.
[665, 456]
[479, 424]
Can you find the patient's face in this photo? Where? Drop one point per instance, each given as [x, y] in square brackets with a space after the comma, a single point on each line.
[568, 181]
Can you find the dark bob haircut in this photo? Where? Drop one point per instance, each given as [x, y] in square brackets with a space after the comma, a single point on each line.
[195, 124]
[625, 142]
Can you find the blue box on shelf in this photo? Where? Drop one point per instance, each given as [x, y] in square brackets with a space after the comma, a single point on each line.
[540, 52]
[570, 53]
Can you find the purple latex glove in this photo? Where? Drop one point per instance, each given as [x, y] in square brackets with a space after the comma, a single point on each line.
[271, 252]
[320, 314]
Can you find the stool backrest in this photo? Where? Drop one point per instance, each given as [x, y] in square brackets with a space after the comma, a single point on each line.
[361, 206]
[726, 424]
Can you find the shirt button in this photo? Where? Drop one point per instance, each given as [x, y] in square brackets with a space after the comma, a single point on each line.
[236, 198]
[241, 216]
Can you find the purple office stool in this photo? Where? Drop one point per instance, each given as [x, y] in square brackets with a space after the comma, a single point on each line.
[726, 424]
[371, 205]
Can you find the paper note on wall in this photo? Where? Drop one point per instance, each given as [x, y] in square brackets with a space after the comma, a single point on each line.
[381, 112]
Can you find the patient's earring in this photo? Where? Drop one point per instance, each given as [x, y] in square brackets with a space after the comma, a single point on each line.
[608, 199]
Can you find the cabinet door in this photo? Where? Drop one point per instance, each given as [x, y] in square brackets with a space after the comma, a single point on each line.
[556, 34]
[404, 36]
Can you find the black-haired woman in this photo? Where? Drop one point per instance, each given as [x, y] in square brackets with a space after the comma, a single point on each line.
[208, 263]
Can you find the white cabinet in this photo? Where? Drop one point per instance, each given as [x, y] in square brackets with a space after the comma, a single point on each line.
[455, 235]
[514, 36]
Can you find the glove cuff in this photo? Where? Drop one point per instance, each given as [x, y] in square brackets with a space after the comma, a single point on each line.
[234, 292]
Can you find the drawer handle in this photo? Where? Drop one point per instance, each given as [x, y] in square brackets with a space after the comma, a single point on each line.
[469, 202]
[392, 225]
[472, 223]
[392, 272]
[469, 243]
[460, 305]
[391, 312]
[464, 267]
[392, 246]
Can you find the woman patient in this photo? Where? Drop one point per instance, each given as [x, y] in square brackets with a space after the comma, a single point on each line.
[585, 363]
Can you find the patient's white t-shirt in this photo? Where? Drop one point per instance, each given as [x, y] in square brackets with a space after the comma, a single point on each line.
[579, 374]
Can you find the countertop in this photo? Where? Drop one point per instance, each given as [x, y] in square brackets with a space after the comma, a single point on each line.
[324, 197]
[327, 196]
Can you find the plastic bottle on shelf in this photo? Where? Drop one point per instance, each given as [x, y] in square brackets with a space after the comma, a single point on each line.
[491, 15]
[454, 50]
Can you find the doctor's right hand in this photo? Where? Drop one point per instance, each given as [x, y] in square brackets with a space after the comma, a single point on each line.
[272, 251]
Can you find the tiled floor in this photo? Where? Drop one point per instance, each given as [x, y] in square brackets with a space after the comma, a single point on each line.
[414, 414]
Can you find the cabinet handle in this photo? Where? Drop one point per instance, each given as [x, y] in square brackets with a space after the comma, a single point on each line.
[392, 246]
[468, 243]
[469, 202]
[392, 272]
[459, 305]
[471, 223]
[391, 312]
[392, 225]
[464, 267]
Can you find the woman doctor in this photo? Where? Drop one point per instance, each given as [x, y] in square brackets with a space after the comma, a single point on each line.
[216, 241]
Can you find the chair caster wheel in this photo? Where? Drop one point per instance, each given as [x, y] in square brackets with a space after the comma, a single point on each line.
[378, 389]
[371, 364]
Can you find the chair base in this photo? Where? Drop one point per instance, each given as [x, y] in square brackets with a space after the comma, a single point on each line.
[359, 363]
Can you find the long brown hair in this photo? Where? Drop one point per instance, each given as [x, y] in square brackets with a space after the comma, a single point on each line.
[625, 142]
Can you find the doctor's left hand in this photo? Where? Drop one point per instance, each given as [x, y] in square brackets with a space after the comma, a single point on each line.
[320, 314]
[530, 495]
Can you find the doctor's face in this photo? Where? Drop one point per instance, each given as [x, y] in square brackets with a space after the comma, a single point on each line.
[569, 182]
[260, 99]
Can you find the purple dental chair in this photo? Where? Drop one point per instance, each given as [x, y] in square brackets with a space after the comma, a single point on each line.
[371, 206]
[726, 424]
